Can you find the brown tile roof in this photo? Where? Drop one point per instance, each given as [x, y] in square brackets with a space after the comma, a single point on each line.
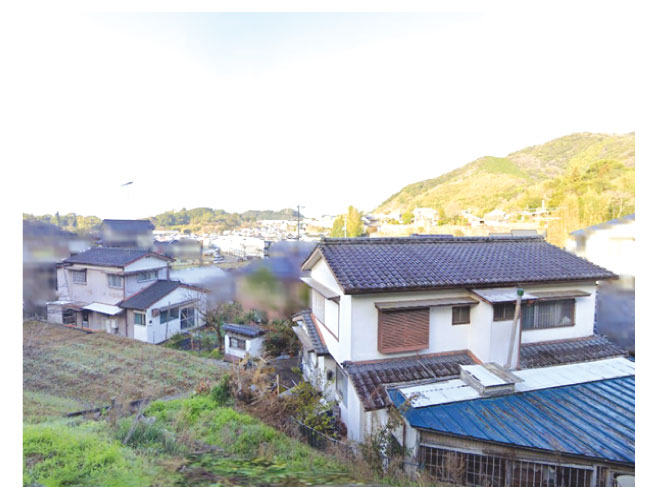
[568, 351]
[370, 378]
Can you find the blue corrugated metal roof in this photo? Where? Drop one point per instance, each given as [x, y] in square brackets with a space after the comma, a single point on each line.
[594, 419]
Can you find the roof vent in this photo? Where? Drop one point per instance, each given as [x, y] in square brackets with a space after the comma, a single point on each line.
[488, 379]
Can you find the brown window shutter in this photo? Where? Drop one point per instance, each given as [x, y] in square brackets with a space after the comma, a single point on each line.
[403, 330]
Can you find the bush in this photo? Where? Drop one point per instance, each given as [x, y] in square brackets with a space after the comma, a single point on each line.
[281, 339]
[147, 436]
[222, 393]
[59, 455]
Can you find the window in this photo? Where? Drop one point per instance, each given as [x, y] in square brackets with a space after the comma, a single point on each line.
[139, 318]
[504, 311]
[69, 317]
[114, 281]
[341, 384]
[460, 315]
[79, 276]
[147, 276]
[546, 314]
[403, 330]
[166, 315]
[187, 319]
[239, 344]
[470, 469]
[318, 306]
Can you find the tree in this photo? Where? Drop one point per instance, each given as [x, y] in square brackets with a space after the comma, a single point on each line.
[223, 314]
[354, 225]
[338, 228]
[407, 217]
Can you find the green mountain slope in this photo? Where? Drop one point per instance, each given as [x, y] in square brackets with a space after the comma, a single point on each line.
[584, 178]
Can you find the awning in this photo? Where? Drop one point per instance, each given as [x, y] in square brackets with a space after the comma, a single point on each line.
[501, 295]
[435, 302]
[557, 295]
[303, 338]
[103, 308]
[321, 289]
[76, 305]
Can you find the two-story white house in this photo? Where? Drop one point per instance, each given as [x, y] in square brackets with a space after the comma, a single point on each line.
[127, 292]
[395, 313]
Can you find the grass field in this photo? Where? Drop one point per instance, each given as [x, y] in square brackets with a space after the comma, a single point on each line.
[191, 441]
[64, 368]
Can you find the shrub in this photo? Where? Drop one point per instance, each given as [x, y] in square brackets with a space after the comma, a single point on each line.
[222, 393]
[147, 435]
[281, 339]
[58, 455]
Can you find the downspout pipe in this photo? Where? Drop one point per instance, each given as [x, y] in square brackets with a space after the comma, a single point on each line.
[518, 307]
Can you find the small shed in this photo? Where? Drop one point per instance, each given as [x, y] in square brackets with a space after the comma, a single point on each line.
[242, 340]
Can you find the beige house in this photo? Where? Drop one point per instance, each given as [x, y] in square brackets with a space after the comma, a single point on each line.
[126, 292]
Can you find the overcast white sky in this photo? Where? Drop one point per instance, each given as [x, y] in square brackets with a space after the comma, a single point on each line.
[256, 111]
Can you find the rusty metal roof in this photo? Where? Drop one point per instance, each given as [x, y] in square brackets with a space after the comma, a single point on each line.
[370, 378]
[593, 420]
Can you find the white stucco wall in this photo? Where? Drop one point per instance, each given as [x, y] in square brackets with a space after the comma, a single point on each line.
[254, 346]
[443, 335]
[352, 414]
[321, 273]
[583, 316]
[96, 288]
[146, 263]
[612, 248]
[132, 285]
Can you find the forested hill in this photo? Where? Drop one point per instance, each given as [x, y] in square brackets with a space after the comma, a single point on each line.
[585, 178]
[192, 220]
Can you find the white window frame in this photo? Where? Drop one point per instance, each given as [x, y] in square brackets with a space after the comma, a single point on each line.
[319, 306]
[237, 342]
[184, 321]
[77, 272]
[115, 277]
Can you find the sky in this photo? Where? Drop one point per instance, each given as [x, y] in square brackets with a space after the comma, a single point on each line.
[246, 111]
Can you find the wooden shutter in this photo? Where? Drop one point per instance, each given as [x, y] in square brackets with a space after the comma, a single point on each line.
[403, 330]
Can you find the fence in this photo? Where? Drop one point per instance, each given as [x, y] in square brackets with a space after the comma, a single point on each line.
[205, 341]
[319, 440]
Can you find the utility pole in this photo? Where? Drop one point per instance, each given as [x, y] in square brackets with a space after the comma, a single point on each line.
[516, 319]
[298, 222]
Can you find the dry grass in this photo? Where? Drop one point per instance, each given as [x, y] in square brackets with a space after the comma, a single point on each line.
[93, 368]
